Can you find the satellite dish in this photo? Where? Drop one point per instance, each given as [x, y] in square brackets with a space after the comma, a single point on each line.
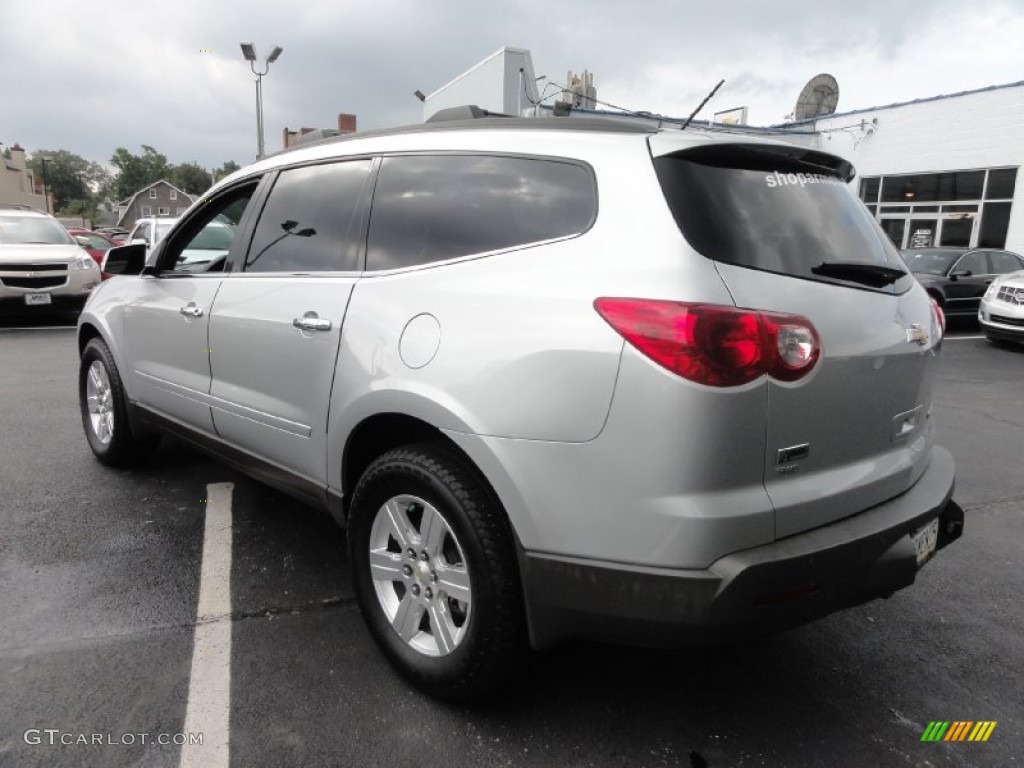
[819, 97]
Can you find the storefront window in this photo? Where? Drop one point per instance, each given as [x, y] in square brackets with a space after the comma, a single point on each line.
[869, 189]
[1001, 184]
[931, 187]
[995, 222]
[970, 223]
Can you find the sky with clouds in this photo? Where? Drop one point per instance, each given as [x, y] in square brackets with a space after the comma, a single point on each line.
[90, 77]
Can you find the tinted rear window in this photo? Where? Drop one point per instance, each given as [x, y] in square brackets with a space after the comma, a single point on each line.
[432, 208]
[781, 211]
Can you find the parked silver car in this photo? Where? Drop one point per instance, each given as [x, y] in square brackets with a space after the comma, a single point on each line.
[1001, 313]
[41, 265]
[559, 378]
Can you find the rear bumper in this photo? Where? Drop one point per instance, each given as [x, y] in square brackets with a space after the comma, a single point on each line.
[767, 588]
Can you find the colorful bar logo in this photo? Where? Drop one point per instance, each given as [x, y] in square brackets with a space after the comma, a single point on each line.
[958, 730]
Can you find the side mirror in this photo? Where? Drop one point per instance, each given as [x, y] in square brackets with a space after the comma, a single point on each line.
[956, 274]
[125, 259]
[83, 241]
[138, 241]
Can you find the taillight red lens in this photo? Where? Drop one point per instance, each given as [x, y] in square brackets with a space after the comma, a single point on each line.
[940, 318]
[715, 345]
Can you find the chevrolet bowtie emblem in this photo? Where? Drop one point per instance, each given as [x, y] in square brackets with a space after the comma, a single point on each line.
[916, 333]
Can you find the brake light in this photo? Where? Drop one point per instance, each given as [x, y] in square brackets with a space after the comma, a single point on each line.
[715, 345]
[940, 318]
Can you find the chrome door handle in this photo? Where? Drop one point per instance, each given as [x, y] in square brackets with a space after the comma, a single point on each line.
[191, 310]
[310, 321]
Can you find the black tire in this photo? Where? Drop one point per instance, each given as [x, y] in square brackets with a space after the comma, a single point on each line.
[494, 640]
[124, 446]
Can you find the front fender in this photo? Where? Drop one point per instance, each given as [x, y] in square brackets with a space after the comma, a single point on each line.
[103, 316]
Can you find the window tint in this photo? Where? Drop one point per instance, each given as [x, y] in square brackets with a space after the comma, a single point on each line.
[204, 241]
[772, 210]
[432, 208]
[310, 222]
[976, 262]
[1003, 262]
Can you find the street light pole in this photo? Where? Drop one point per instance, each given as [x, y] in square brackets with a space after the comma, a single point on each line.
[46, 197]
[249, 53]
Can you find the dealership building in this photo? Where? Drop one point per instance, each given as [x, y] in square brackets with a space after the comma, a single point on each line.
[940, 170]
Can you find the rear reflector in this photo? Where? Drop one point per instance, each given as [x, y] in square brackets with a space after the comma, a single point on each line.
[715, 345]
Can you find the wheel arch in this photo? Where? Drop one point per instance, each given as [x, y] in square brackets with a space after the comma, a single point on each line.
[86, 333]
[381, 432]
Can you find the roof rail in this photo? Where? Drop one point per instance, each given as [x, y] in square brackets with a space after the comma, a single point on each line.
[465, 112]
[17, 206]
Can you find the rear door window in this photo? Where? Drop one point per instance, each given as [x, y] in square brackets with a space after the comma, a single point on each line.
[1003, 262]
[784, 210]
[429, 208]
[311, 220]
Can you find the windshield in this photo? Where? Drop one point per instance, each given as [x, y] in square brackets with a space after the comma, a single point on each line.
[930, 262]
[19, 230]
[777, 211]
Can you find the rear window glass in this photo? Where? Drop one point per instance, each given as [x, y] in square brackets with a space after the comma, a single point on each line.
[781, 211]
[432, 208]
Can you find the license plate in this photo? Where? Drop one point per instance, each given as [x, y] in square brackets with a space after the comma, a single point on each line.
[37, 298]
[925, 540]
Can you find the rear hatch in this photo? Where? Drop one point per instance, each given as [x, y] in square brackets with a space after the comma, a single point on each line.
[787, 235]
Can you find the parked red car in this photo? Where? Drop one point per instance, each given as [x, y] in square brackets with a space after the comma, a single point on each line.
[98, 245]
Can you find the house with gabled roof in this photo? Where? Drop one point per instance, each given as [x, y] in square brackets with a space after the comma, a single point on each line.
[161, 198]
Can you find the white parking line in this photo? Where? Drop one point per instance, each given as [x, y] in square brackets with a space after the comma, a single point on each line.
[209, 690]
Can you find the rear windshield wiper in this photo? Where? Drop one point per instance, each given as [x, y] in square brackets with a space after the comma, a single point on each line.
[875, 275]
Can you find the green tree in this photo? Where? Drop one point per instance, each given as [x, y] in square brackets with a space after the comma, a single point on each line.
[191, 178]
[68, 176]
[137, 171]
[227, 169]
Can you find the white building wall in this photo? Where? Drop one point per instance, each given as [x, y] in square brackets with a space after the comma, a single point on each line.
[977, 130]
[495, 84]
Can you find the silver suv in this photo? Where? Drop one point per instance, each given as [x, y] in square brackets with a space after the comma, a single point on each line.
[559, 378]
[41, 265]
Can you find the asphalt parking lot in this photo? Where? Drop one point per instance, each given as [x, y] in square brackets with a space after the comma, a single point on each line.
[100, 575]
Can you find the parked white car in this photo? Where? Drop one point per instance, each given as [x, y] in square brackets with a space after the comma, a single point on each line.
[41, 265]
[1001, 313]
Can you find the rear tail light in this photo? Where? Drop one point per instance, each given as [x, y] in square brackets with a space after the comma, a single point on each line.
[940, 318]
[715, 345]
